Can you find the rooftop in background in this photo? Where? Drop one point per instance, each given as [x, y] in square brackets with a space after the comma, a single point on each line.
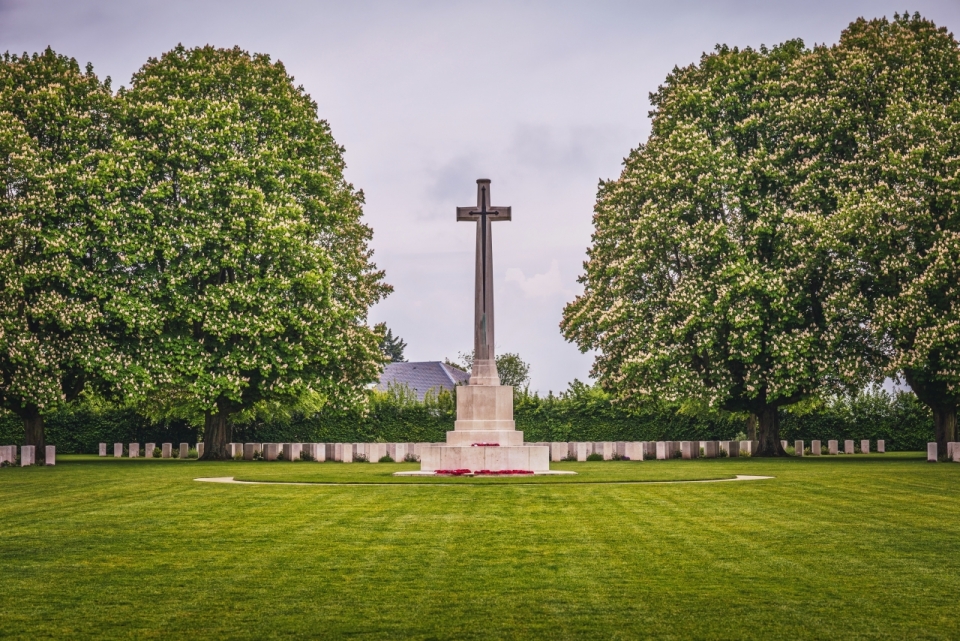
[420, 377]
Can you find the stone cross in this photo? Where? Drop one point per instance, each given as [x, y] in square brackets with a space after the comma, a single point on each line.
[484, 363]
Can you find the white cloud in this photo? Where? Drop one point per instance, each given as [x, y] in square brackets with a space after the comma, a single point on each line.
[540, 285]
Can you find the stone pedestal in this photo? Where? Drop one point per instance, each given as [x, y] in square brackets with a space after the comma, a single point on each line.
[50, 455]
[484, 436]
[103, 449]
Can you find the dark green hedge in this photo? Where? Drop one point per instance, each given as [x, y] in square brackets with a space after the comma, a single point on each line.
[583, 413]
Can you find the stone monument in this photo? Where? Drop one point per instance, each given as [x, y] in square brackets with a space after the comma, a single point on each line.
[484, 436]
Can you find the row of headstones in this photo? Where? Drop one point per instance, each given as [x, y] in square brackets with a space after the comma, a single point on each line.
[166, 450]
[662, 450]
[833, 447]
[28, 455]
[953, 452]
[320, 452]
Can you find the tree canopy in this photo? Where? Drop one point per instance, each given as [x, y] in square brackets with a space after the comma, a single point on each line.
[55, 130]
[248, 270]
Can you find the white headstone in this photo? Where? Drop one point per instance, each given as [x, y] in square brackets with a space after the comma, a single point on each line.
[950, 446]
[710, 449]
[184, 450]
[662, 451]
[347, 453]
[250, 450]
[881, 446]
[833, 447]
[50, 455]
[932, 452]
[633, 450]
[166, 450]
[376, 451]
[134, 450]
[27, 455]
[956, 455]
[199, 450]
[848, 447]
[865, 446]
[558, 451]
[8, 453]
[148, 449]
[798, 448]
[815, 448]
[117, 450]
[103, 449]
[690, 449]
[783, 444]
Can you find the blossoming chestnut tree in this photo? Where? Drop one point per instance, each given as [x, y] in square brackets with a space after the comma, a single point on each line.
[899, 84]
[54, 263]
[707, 278]
[248, 270]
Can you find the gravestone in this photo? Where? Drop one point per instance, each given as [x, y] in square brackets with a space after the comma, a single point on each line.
[148, 449]
[233, 449]
[8, 453]
[291, 451]
[798, 448]
[103, 449]
[184, 450]
[199, 450]
[166, 450]
[815, 448]
[250, 450]
[848, 447]
[865, 446]
[347, 453]
[484, 406]
[783, 444]
[710, 449]
[833, 447]
[50, 455]
[376, 451]
[633, 450]
[881, 446]
[932, 452]
[134, 450]
[558, 451]
[27, 455]
[583, 451]
[690, 449]
[117, 450]
[662, 454]
[956, 455]
[621, 448]
[270, 451]
[733, 450]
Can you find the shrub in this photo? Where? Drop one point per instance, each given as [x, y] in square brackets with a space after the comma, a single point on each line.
[360, 458]
[157, 452]
[306, 456]
[192, 453]
[411, 458]
[238, 456]
[386, 459]
[569, 457]
[595, 457]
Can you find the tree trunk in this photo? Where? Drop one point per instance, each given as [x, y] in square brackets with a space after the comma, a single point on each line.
[33, 431]
[769, 437]
[217, 434]
[752, 427]
[944, 427]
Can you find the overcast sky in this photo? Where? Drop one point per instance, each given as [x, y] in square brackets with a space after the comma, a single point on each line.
[543, 98]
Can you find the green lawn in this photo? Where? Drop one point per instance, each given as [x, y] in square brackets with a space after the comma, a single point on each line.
[837, 547]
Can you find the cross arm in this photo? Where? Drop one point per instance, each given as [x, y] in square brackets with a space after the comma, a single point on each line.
[493, 213]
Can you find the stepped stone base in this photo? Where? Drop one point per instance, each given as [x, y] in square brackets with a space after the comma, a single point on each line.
[532, 458]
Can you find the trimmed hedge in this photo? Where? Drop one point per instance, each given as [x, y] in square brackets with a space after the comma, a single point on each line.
[583, 413]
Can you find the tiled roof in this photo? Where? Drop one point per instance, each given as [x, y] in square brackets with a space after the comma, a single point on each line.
[421, 377]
